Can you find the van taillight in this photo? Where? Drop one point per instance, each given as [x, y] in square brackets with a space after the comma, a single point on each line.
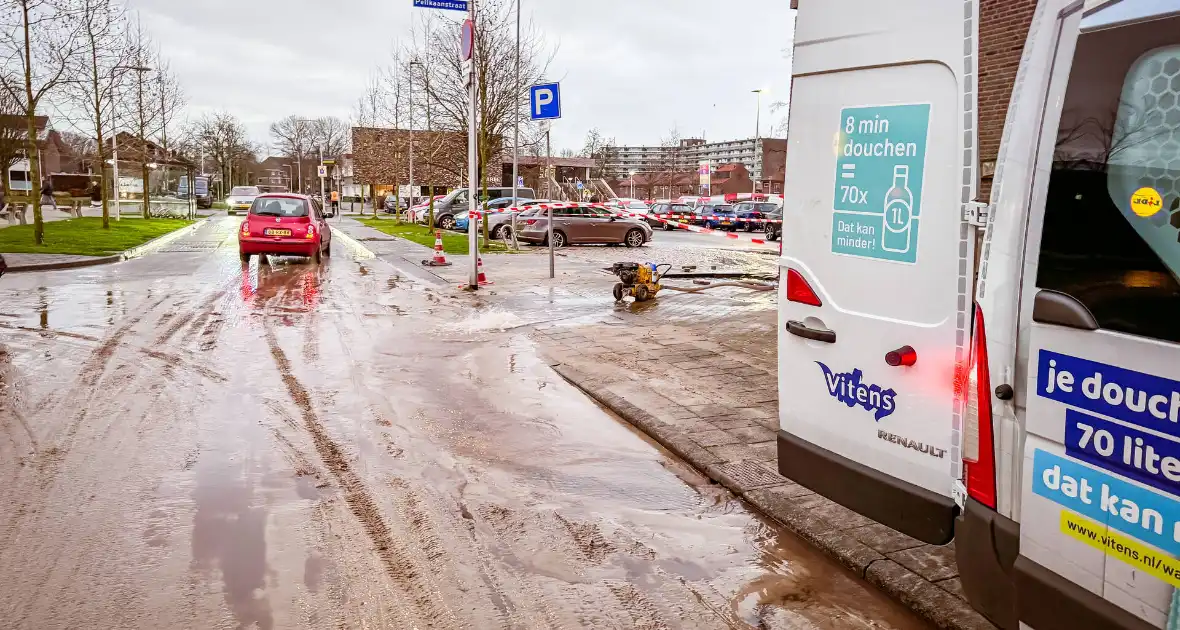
[799, 291]
[979, 455]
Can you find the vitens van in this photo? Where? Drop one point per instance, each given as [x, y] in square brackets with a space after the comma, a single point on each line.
[874, 307]
[1063, 431]
[1072, 435]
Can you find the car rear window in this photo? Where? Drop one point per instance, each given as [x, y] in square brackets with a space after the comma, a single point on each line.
[1112, 211]
[244, 191]
[279, 207]
[637, 205]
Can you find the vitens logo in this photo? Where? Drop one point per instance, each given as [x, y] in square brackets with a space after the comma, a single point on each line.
[847, 388]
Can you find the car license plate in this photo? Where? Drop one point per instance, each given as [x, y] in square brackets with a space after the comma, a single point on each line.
[726, 222]
[276, 232]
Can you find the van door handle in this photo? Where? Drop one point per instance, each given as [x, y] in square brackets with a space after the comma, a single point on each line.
[1062, 309]
[799, 329]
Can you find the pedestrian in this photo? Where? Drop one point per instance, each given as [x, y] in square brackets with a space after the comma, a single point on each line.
[47, 194]
[335, 201]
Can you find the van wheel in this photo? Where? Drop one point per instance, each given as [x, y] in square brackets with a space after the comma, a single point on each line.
[447, 222]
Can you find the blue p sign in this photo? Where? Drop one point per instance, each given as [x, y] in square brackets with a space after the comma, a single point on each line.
[545, 101]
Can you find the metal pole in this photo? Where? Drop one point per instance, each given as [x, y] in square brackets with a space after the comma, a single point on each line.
[757, 132]
[516, 131]
[548, 128]
[322, 192]
[472, 245]
[397, 198]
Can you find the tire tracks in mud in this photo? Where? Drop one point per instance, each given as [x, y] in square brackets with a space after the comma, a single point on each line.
[394, 556]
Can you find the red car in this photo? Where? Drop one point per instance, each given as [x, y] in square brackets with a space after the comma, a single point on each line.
[285, 224]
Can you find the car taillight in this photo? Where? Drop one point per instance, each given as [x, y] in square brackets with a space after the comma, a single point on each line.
[979, 455]
[798, 290]
[245, 228]
[310, 230]
[530, 221]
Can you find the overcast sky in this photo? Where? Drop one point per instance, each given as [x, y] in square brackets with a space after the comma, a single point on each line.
[632, 68]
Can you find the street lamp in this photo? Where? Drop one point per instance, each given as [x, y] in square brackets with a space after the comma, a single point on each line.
[632, 184]
[115, 145]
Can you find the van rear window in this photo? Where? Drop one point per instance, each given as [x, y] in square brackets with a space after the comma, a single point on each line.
[1112, 218]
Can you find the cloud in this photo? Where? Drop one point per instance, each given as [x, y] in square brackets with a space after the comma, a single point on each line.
[632, 68]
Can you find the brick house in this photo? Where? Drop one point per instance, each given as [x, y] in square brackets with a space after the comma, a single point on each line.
[53, 151]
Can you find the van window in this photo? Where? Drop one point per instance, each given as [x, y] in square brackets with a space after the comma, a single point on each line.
[1112, 217]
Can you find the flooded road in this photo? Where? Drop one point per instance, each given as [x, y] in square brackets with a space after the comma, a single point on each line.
[189, 443]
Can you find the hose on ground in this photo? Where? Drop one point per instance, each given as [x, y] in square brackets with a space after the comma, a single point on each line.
[753, 286]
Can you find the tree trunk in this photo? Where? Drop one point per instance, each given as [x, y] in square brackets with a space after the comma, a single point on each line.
[147, 196]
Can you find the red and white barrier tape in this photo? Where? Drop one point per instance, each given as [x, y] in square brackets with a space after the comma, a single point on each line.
[663, 218]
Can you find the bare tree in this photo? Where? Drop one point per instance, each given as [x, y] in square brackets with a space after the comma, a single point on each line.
[167, 92]
[600, 148]
[294, 137]
[440, 75]
[40, 49]
[331, 134]
[221, 137]
[90, 100]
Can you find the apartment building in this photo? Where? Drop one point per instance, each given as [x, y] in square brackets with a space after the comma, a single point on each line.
[757, 155]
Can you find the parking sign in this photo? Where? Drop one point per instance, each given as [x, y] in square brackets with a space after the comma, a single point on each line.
[545, 101]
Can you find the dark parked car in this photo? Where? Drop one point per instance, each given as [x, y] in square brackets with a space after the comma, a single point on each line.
[751, 210]
[682, 210]
[703, 213]
[582, 224]
[774, 225]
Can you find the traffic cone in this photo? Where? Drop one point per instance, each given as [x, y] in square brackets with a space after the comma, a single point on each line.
[439, 260]
[482, 279]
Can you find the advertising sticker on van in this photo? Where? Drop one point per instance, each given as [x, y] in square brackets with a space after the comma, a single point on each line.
[1144, 400]
[879, 172]
[848, 388]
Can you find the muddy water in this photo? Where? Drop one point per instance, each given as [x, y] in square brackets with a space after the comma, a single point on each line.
[186, 442]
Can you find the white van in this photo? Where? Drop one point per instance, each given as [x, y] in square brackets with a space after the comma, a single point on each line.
[1066, 378]
[875, 308]
[1072, 450]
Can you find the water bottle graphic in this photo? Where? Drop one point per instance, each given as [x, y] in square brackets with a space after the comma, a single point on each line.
[899, 205]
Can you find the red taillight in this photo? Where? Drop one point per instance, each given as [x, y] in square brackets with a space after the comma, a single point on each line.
[530, 221]
[799, 291]
[245, 228]
[979, 455]
[310, 230]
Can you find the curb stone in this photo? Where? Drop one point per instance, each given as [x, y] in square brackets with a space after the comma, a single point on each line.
[69, 264]
[134, 252]
[930, 601]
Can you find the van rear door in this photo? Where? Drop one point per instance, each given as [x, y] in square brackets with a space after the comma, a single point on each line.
[1100, 505]
[876, 256]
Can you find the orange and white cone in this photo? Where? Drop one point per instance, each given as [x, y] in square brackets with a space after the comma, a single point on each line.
[482, 279]
[439, 260]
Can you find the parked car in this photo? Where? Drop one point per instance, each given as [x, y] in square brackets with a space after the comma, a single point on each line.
[584, 224]
[774, 225]
[285, 224]
[418, 213]
[499, 223]
[705, 211]
[626, 207]
[746, 210]
[456, 201]
[683, 213]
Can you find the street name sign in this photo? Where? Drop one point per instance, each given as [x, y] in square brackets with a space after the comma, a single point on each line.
[449, 5]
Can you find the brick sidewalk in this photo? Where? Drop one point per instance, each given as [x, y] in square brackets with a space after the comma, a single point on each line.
[699, 374]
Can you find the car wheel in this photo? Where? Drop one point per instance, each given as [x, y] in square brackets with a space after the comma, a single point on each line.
[750, 227]
[634, 238]
[559, 239]
[328, 249]
[499, 232]
[318, 256]
[244, 256]
[447, 222]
